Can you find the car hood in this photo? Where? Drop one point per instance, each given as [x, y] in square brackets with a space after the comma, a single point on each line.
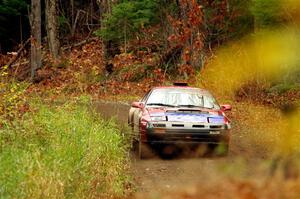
[186, 115]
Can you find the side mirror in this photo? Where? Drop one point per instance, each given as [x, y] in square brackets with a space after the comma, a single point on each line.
[137, 105]
[226, 107]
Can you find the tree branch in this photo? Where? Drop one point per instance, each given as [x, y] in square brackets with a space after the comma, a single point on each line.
[13, 59]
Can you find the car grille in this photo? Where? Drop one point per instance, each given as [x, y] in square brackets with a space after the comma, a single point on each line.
[159, 125]
[198, 126]
[177, 125]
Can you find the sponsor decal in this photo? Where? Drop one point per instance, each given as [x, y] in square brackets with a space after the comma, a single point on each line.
[188, 117]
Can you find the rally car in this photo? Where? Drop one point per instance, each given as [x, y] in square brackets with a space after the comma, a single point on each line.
[178, 114]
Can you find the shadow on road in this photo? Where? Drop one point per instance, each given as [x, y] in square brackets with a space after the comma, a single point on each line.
[183, 151]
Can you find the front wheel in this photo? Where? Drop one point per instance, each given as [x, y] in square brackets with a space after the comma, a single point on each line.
[142, 150]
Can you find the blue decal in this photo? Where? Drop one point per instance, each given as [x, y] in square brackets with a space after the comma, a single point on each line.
[190, 117]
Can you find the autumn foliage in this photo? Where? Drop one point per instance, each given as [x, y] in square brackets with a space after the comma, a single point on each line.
[187, 35]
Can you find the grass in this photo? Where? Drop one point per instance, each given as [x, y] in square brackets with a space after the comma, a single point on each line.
[284, 87]
[62, 151]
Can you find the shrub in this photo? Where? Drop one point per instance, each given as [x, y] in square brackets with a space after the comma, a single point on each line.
[11, 96]
[268, 13]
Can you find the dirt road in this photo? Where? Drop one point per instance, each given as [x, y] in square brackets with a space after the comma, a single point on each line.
[159, 175]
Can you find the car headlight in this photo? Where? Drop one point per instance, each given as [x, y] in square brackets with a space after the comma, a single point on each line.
[216, 120]
[158, 118]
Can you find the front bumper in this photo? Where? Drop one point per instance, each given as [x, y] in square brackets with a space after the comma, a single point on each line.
[202, 134]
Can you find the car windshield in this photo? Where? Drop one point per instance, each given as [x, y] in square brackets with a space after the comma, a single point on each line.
[182, 98]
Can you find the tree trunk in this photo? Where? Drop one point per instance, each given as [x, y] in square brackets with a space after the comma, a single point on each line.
[105, 8]
[110, 47]
[72, 12]
[52, 28]
[36, 48]
[125, 37]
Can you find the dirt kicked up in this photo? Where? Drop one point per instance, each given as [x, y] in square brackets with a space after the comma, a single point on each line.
[244, 173]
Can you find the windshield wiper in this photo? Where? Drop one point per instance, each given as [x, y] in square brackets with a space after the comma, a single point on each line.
[192, 106]
[160, 104]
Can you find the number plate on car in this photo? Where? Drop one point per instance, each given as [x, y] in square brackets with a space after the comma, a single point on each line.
[214, 132]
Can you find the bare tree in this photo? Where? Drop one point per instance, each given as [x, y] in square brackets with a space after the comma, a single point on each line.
[110, 49]
[52, 28]
[36, 49]
[105, 7]
[72, 12]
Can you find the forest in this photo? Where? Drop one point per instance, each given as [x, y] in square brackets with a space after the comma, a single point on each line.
[62, 60]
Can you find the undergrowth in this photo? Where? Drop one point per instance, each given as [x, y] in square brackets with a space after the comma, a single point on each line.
[12, 98]
[62, 151]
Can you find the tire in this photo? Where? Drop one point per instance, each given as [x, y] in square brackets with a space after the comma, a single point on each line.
[143, 150]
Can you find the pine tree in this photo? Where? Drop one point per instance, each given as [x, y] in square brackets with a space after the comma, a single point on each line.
[127, 18]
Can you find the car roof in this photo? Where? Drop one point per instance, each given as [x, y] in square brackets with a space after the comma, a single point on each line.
[180, 87]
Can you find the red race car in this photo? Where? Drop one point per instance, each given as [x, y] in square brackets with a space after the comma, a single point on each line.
[178, 114]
